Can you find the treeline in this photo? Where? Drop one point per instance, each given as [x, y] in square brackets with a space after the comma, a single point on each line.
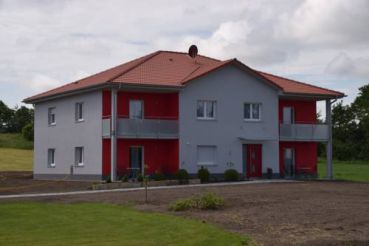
[17, 120]
[351, 128]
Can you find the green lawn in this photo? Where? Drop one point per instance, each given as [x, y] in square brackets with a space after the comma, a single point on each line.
[15, 159]
[346, 170]
[15, 141]
[98, 224]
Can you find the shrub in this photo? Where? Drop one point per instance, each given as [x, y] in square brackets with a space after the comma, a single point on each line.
[183, 176]
[157, 176]
[210, 201]
[181, 205]
[124, 178]
[203, 175]
[140, 178]
[108, 179]
[204, 201]
[231, 175]
[27, 131]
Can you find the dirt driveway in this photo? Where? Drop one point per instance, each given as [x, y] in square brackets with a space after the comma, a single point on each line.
[304, 213]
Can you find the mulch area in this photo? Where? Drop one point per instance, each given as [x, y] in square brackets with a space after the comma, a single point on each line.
[302, 213]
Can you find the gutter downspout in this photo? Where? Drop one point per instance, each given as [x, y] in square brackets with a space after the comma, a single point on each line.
[113, 135]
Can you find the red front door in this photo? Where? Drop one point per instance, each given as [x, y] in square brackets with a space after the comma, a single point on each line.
[253, 160]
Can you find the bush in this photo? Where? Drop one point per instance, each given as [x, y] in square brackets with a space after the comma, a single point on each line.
[231, 175]
[183, 176]
[108, 179]
[124, 178]
[27, 132]
[203, 174]
[181, 205]
[157, 176]
[204, 201]
[140, 178]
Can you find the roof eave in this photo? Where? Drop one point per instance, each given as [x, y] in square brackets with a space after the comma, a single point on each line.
[312, 95]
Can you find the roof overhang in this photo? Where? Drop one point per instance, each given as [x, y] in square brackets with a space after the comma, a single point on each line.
[309, 96]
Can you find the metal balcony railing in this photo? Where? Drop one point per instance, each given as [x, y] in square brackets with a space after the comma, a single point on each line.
[143, 128]
[303, 132]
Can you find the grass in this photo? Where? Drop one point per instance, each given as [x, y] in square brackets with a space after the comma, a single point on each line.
[15, 141]
[346, 170]
[15, 159]
[98, 224]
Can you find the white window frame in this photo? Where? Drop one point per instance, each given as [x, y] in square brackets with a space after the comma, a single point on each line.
[51, 152]
[206, 102]
[80, 150]
[49, 114]
[79, 112]
[208, 163]
[251, 116]
[142, 109]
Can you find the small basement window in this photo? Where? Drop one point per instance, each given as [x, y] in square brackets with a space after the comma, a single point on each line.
[51, 157]
[79, 156]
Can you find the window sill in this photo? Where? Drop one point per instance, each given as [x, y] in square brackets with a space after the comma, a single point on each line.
[252, 121]
[206, 119]
[53, 124]
[79, 165]
[206, 164]
[51, 166]
[80, 121]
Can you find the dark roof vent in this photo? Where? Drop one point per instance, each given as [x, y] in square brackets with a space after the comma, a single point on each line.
[192, 51]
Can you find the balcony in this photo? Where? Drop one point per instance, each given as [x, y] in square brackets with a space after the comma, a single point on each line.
[303, 132]
[143, 128]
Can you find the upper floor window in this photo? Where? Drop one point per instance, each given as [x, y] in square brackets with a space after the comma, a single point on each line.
[136, 109]
[51, 116]
[51, 157]
[252, 111]
[79, 156]
[79, 112]
[206, 109]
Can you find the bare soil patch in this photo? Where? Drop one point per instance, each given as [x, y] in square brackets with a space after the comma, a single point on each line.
[23, 183]
[303, 213]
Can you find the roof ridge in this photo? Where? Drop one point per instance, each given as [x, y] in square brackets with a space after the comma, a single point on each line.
[185, 53]
[298, 82]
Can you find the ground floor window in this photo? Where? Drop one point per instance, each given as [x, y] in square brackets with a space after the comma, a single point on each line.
[79, 156]
[51, 157]
[206, 154]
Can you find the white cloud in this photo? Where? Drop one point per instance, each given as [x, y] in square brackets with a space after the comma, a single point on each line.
[53, 42]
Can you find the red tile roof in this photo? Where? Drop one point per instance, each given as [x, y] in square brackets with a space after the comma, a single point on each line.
[175, 69]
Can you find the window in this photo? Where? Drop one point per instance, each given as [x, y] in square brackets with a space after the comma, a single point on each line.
[51, 116]
[136, 109]
[288, 115]
[206, 155]
[51, 157]
[79, 156]
[79, 112]
[289, 159]
[252, 111]
[206, 110]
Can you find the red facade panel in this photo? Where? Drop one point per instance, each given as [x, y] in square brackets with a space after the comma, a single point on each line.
[306, 156]
[106, 104]
[305, 111]
[159, 155]
[156, 105]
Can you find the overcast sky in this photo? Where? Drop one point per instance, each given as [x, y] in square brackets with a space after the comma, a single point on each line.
[46, 43]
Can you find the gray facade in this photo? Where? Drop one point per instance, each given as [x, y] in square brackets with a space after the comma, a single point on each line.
[67, 134]
[231, 88]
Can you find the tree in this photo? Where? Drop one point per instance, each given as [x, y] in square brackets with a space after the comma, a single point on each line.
[22, 117]
[6, 116]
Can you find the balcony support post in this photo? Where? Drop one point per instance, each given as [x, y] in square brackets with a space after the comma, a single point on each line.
[329, 148]
[113, 135]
